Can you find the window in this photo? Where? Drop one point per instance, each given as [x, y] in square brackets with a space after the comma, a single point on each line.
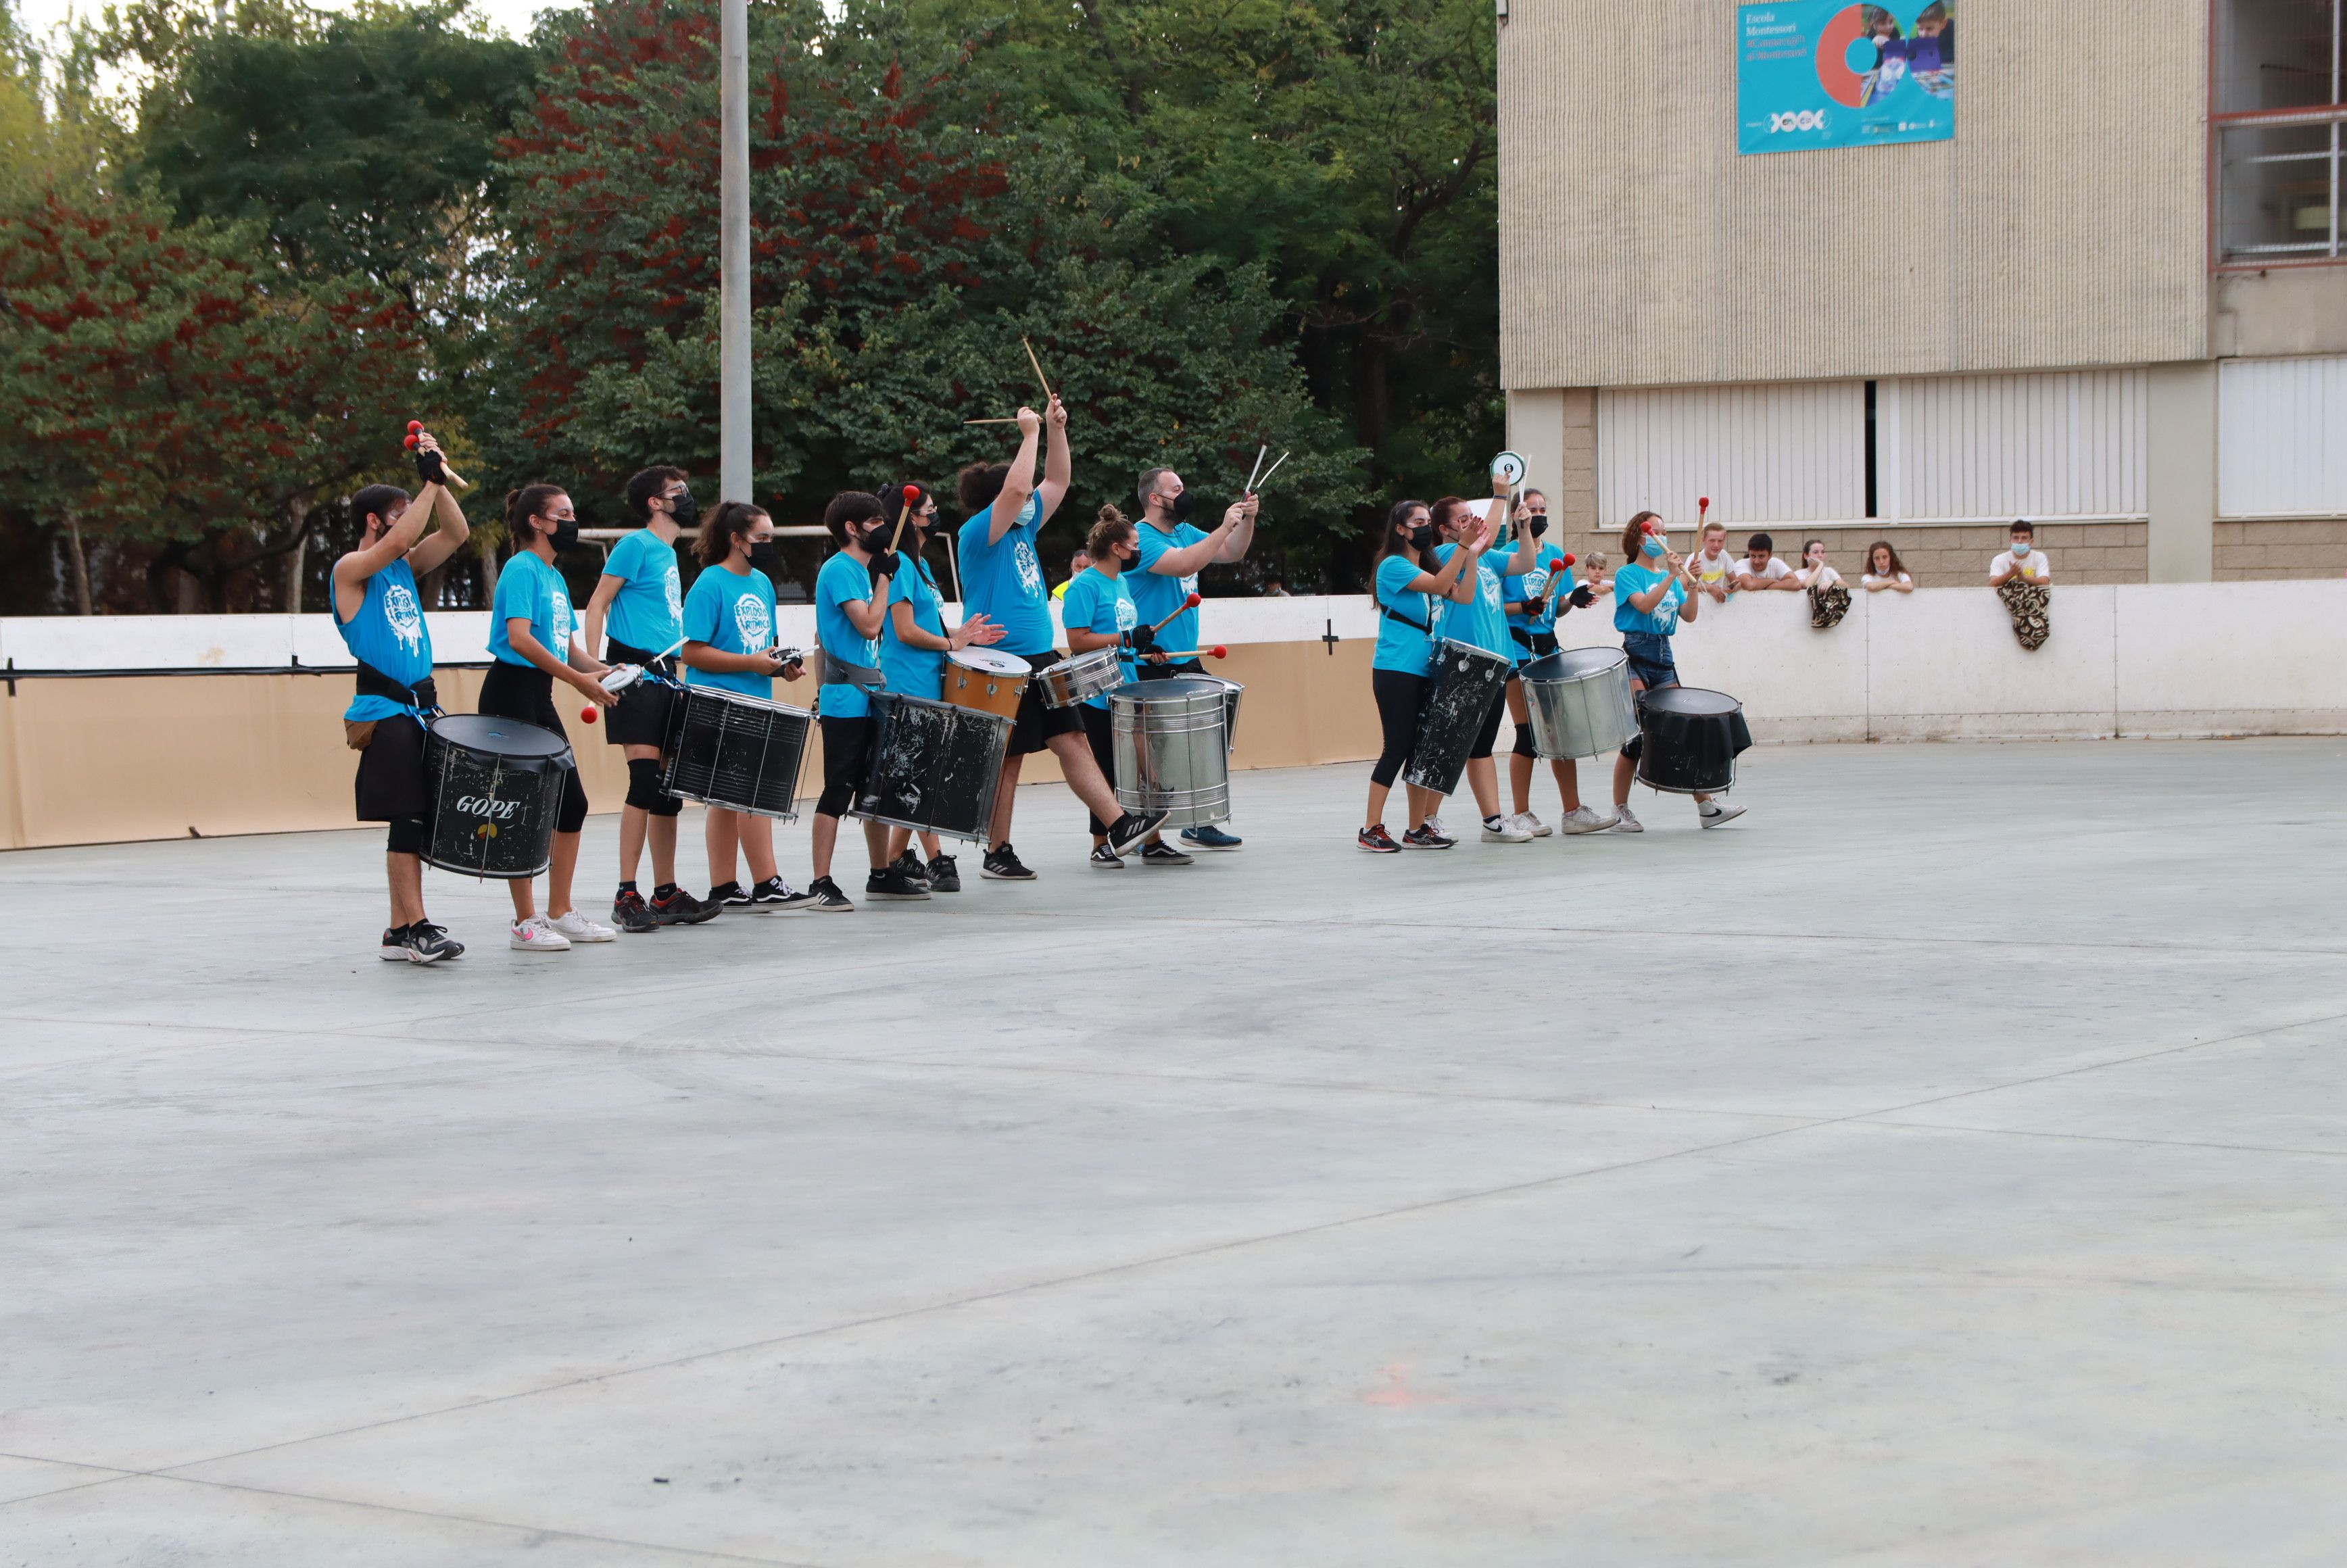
[2281, 125]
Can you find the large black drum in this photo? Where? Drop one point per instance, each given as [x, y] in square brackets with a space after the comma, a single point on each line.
[1690, 739]
[1460, 689]
[737, 751]
[933, 766]
[497, 788]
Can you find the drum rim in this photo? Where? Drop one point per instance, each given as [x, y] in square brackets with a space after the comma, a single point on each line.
[970, 659]
[1657, 702]
[445, 738]
[743, 699]
[1616, 659]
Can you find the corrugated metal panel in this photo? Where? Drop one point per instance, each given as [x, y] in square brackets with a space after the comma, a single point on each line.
[2282, 438]
[1776, 454]
[2048, 446]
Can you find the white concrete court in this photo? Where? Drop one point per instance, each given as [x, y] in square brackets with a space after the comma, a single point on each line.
[1945, 1164]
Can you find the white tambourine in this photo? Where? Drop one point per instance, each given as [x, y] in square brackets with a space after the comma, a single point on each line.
[1510, 467]
[620, 677]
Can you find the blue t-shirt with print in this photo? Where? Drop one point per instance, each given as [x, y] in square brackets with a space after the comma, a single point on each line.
[530, 590]
[1005, 581]
[1156, 595]
[914, 672]
[389, 634]
[732, 614]
[1483, 622]
[1099, 602]
[1634, 579]
[1404, 647]
[1548, 565]
[648, 613]
[844, 581]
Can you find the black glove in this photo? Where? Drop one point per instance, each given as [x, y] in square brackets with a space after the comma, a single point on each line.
[886, 564]
[1582, 596]
[1144, 639]
[430, 469]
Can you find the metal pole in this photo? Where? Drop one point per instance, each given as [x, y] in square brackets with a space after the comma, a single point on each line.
[733, 250]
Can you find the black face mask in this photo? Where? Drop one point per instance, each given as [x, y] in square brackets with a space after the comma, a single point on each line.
[685, 509]
[566, 535]
[1179, 507]
[1540, 524]
[1422, 536]
[764, 554]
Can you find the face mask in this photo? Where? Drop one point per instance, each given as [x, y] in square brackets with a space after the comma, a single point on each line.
[874, 541]
[1422, 536]
[1540, 524]
[1179, 507]
[763, 555]
[566, 535]
[2020, 548]
[1655, 545]
[685, 509]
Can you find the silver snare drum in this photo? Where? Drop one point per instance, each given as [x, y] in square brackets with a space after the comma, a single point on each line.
[1171, 749]
[1071, 680]
[1579, 702]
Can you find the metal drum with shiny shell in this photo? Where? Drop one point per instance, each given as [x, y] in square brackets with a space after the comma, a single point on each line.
[1170, 741]
[1080, 676]
[1578, 700]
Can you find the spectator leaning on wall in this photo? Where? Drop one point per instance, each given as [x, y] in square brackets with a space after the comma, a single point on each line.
[1761, 567]
[1828, 594]
[1885, 569]
[2024, 578]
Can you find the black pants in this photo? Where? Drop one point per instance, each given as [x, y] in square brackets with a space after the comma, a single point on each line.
[1399, 697]
[527, 692]
[1490, 733]
[846, 747]
[1098, 731]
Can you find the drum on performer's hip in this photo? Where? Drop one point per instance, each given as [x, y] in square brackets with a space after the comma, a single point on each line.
[1170, 742]
[982, 679]
[1578, 700]
[497, 789]
[1072, 680]
[739, 751]
[1459, 691]
[934, 766]
[1690, 739]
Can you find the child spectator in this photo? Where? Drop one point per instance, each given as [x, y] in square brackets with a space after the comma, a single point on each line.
[1829, 595]
[1714, 569]
[1761, 568]
[2022, 577]
[1884, 569]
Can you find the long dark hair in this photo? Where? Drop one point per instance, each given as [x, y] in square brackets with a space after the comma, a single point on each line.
[1897, 565]
[1396, 542]
[1634, 537]
[730, 521]
[523, 505]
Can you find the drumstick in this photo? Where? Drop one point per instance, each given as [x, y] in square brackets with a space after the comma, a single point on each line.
[415, 427]
[1702, 505]
[1048, 393]
[1013, 420]
[1267, 473]
[1251, 471]
[910, 491]
[1216, 651]
[1190, 603]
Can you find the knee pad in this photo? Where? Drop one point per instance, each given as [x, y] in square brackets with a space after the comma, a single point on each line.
[1523, 746]
[643, 784]
[406, 835]
[670, 805]
[1635, 749]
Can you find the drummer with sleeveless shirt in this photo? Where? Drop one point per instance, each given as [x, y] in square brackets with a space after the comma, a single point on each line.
[1174, 551]
[1099, 612]
[1535, 599]
[851, 595]
[1408, 587]
[1003, 579]
[638, 599]
[1482, 621]
[381, 618]
[1654, 591]
[914, 644]
[533, 643]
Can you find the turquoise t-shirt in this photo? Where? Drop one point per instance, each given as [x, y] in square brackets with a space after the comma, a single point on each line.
[529, 590]
[734, 615]
[1660, 621]
[1547, 566]
[1099, 602]
[1483, 622]
[1407, 648]
[648, 613]
[1005, 581]
[389, 634]
[844, 581]
[914, 672]
[1156, 595]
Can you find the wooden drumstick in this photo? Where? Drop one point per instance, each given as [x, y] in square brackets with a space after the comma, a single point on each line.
[1216, 651]
[1013, 420]
[1048, 393]
[910, 491]
[1188, 604]
[1256, 465]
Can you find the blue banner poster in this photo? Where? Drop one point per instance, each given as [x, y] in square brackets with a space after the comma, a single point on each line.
[1815, 74]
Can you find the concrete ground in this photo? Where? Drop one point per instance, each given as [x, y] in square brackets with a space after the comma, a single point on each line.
[1946, 1164]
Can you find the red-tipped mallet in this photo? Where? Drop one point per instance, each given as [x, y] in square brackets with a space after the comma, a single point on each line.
[1190, 603]
[1571, 559]
[1702, 505]
[912, 494]
[414, 427]
[1216, 651]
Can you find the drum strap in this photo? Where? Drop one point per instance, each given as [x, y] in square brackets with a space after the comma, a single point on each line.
[839, 672]
[661, 669]
[1414, 625]
[421, 699]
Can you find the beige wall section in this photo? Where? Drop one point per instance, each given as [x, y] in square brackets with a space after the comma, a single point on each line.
[1555, 429]
[1939, 555]
[2180, 481]
[2284, 547]
[104, 760]
[2287, 311]
[2064, 226]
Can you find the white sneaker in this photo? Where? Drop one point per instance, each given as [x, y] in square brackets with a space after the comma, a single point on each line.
[575, 926]
[1506, 833]
[1581, 819]
[1711, 813]
[538, 934]
[1532, 824]
[1626, 820]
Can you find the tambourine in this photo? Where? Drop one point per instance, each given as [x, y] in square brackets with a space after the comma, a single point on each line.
[620, 677]
[1510, 467]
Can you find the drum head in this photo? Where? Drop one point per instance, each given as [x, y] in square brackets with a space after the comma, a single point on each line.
[990, 662]
[1573, 663]
[1510, 467]
[1177, 686]
[1691, 699]
[499, 737]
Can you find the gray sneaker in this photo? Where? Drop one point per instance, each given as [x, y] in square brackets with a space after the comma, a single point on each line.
[1581, 819]
[1626, 820]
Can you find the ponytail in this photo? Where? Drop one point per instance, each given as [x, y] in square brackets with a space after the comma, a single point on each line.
[728, 522]
[1110, 530]
[523, 505]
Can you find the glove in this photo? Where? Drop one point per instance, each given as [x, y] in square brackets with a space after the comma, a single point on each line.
[1144, 639]
[887, 563]
[430, 469]
[1583, 596]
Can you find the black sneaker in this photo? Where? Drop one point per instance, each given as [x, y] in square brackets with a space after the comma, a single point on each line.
[631, 913]
[1130, 828]
[1003, 866]
[434, 942]
[824, 898]
[1165, 855]
[890, 885]
[1106, 859]
[943, 878]
[773, 893]
[1376, 840]
[726, 893]
[908, 865]
[402, 946]
[1426, 838]
[681, 908]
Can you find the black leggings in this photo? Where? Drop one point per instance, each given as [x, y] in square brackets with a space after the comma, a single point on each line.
[1099, 731]
[1399, 696]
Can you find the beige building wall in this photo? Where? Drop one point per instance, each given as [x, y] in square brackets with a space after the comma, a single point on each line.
[2065, 224]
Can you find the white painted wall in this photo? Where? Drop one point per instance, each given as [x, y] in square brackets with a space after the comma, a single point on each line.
[2172, 659]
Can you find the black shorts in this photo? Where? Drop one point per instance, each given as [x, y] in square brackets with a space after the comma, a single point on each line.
[392, 781]
[640, 717]
[846, 758]
[1168, 672]
[527, 692]
[1037, 724]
